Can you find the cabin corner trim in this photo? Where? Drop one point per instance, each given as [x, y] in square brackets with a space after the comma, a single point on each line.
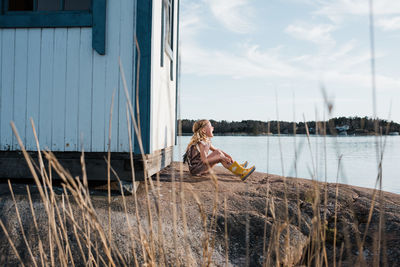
[144, 37]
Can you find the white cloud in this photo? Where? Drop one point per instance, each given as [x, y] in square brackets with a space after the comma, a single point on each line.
[389, 24]
[251, 62]
[235, 15]
[190, 19]
[346, 57]
[350, 57]
[360, 80]
[344, 49]
[336, 9]
[319, 34]
[343, 69]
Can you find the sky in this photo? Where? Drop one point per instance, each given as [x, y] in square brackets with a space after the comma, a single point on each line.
[275, 60]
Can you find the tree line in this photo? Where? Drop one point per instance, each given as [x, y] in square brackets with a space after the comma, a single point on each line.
[356, 126]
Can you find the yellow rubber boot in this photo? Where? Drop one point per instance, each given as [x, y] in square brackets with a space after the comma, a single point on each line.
[238, 170]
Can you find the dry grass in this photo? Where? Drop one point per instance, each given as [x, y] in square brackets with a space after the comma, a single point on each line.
[95, 242]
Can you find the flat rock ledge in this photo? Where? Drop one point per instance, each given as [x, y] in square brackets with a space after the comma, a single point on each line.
[268, 220]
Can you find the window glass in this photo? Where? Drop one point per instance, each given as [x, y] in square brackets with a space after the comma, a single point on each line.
[77, 4]
[48, 5]
[169, 24]
[20, 5]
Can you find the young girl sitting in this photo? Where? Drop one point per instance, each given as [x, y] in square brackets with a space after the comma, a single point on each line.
[200, 161]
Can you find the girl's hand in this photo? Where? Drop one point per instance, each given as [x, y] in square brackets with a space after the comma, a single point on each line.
[228, 156]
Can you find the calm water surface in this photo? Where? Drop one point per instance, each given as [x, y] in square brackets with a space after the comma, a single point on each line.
[316, 157]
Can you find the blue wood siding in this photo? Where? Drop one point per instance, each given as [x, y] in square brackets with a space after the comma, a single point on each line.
[55, 77]
[59, 85]
[99, 110]
[72, 90]
[112, 74]
[33, 85]
[85, 91]
[46, 88]
[127, 47]
[20, 73]
[7, 87]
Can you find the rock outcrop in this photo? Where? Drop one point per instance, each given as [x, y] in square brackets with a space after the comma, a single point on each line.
[268, 220]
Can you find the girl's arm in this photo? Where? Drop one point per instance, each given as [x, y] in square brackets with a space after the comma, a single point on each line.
[203, 154]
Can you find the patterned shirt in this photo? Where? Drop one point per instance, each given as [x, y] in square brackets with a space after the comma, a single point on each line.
[196, 165]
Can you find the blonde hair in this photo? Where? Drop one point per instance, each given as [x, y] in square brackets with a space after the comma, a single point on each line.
[198, 134]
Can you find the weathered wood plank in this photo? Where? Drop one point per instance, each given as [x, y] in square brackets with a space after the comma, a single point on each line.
[158, 160]
[99, 127]
[59, 81]
[46, 88]
[126, 55]
[33, 85]
[72, 90]
[85, 90]
[20, 82]
[7, 86]
[112, 75]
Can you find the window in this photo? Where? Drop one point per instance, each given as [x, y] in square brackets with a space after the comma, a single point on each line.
[167, 33]
[18, 5]
[57, 13]
[170, 24]
[48, 5]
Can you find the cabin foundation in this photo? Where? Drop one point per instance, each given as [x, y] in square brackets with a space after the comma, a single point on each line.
[14, 166]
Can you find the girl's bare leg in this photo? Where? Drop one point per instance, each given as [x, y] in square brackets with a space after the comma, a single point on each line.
[218, 157]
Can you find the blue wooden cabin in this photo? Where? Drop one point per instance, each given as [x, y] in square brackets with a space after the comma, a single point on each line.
[59, 65]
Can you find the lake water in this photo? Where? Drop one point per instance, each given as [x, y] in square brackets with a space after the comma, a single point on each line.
[316, 157]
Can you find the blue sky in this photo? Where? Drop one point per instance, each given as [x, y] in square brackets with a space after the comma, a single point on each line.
[246, 59]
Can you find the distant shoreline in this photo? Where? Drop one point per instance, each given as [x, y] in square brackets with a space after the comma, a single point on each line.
[351, 126]
[285, 134]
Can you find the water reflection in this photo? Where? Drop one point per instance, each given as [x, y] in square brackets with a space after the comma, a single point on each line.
[316, 157]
